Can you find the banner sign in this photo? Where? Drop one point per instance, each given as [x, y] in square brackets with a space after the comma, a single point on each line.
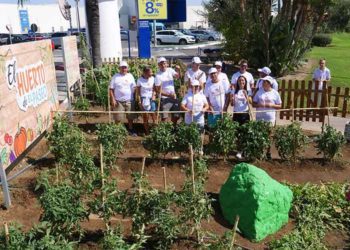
[24, 20]
[28, 94]
[153, 9]
[71, 63]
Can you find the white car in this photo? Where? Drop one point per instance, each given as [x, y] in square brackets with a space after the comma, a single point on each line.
[173, 36]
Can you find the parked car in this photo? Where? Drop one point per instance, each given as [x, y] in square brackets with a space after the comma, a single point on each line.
[173, 36]
[124, 34]
[3, 38]
[56, 38]
[198, 37]
[208, 35]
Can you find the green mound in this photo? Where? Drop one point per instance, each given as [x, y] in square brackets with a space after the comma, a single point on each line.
[261, 202]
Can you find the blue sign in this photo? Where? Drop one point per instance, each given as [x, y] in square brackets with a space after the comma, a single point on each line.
[144, 40]
[24, 20]
[31, 33]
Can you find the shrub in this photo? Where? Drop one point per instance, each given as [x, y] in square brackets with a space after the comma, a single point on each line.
[329, 143]
[185, 135]
[321, 40]
[82, 104]
[224, 137]
[254, 139]
[161, 139]
[290, 141]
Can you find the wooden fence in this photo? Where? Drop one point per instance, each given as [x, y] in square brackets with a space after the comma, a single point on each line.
[301, 94]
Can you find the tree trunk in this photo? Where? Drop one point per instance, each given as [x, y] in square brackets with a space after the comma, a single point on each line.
[93, 22]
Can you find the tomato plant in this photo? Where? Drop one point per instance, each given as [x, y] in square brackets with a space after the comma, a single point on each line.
[161, 139]
[254, 139]
[82, 104]
[290, 141]
[224, 137]
[113, 239]
[186, 135]
[329, 143]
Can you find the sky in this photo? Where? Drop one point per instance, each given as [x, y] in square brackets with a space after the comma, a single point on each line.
[190, 2]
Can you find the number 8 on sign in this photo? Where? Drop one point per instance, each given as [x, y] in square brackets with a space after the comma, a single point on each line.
[149, 7]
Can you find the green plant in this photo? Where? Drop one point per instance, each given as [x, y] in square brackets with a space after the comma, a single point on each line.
[186, 135]
[290, 141]
[330, 142]
[224, 137]
[112, 137]
[113, 239]
[82, 104]
[161, 139]
[321, 40]
[60, 129]
[16, 240]
[254, 139]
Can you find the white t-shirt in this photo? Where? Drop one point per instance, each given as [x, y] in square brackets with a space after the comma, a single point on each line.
[147, 86]
[267, 97]
[166, 79]
[198, 103]
[216, 93]
[259, 84]
[222, 77]
[123, 87]
[241, 102]
[248, 76]
[195, 75]
[321, 75]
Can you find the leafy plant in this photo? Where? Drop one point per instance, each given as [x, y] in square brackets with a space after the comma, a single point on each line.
[112, 137]
[321, 40]
[224, 137]
[186, 135]
[329, 143]
[161, 139]
[113, 239]
[290, 141]
[254, 139]
[60, 129]
[82, 104]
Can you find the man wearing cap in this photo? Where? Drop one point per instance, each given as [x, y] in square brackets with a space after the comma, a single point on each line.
[164, 82]
[243, 66]
[217, 93]
[121, 89]
[265, 72]
[194, 73]
[196, 104]
[321, 75]
[221, 75]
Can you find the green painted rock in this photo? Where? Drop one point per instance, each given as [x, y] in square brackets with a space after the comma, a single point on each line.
[261, 202]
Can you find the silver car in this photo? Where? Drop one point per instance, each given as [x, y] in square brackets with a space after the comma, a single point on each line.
[208, 35]
[174, 36]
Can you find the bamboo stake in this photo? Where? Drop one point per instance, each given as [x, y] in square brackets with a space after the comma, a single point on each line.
[234, 233]
[7, 233]
[221, 107]
[192, 169]
[102, 173]
[192, 106]
[159, 99]
[143, 165]
[164, 179]
[57, 175]
[108, 95]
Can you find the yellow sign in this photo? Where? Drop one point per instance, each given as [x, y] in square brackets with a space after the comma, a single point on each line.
[153, 9]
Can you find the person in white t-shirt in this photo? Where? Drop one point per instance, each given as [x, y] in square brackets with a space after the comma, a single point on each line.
[221, 75]
[217, 93]
[146, 95]
[240, 101]
[265, 72]
[164, 82]
[321, 76]
[243, 66]
[196, 104]
[121, 90]
[195, 73]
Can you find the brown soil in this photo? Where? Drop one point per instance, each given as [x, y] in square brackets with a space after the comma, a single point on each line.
[26, 209]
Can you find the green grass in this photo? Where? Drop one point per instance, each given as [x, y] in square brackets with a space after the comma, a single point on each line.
[338, 59]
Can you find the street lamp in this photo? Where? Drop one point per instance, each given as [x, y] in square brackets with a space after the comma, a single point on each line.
[67, 8]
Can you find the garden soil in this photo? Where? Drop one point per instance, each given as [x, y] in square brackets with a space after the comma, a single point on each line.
[26, 209]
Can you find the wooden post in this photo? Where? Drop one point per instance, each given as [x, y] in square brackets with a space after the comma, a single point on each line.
[234, 233]
[7, 233]
[192, 169]
[192, 106]
[222, 108]
[143, 165]
[108, 95]
[159, 100]
[102, 173]
[164, 179]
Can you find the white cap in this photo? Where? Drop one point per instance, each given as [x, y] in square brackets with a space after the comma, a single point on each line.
[218, 63]
[161, 59]
[212, 70]
[267, 78]
[196, 60]
[195, 83]
[123, 64]
[265, 70]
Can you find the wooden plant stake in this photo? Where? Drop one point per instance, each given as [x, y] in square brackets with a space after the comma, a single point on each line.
[143, 165]
[159, 99]
[221, 107]
[192, 169]
[234, 232]
[102, 173]
[192, 106]
[164, 179]
[7, 233]
[109, 96]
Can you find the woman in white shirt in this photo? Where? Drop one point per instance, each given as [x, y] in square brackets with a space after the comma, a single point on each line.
[240, 101]
[146, 95]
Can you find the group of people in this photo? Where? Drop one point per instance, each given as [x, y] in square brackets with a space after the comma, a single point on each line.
[212, 94]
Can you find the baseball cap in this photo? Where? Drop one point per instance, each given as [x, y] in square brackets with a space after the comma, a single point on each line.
[267, 78]
[212, 70]
[196, 60]
[265, 70]
[195, 83]
[123, 64]
[161, 59]
[218, 63]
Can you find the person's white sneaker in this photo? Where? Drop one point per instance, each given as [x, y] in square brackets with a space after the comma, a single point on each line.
[239, 155]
